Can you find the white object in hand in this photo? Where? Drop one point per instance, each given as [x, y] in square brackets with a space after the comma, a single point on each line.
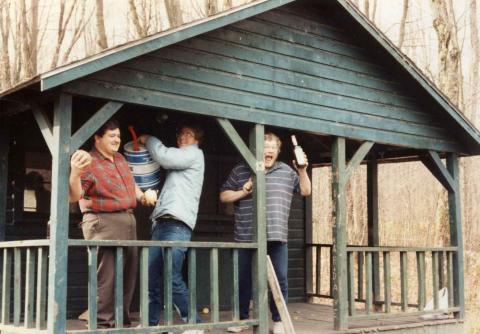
[150, 196]
[298, 152]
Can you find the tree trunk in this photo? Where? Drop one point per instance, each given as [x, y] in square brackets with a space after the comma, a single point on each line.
[29, 35]
[474, 78]
[212, 8]
[102, 36]
[450, 75]
[403, 23]
[174, 13]
[366, 8]
[374, 10]
[5, 75]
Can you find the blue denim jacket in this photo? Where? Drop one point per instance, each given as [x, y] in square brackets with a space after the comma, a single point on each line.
[181, 192]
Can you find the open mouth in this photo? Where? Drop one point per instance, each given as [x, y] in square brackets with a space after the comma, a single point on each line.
[268, 158]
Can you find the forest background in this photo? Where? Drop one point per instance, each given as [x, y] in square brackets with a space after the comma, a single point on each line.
[440, 36]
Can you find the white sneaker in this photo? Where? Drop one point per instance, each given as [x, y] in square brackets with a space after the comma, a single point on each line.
[194, 331]
[278, 328]
[237, 329]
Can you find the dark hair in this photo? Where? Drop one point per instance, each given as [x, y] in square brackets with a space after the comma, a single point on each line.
[197, 131]
[111, 124]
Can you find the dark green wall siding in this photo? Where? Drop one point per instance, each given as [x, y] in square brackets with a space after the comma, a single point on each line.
[278, 68]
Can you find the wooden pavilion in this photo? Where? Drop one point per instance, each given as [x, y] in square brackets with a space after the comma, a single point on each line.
[318, 69]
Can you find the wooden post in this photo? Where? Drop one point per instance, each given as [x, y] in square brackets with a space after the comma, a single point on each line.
[59, 215]
[260, 230]
[339, 265]
[373, 231]
[309, 249]
[456, 238]
[255, 161]
[4, 149]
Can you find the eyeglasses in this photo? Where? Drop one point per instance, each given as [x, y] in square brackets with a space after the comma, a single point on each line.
[188, 134]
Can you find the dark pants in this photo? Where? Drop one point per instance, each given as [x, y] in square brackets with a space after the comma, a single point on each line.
[278, 252]
[112, 226]
[168, 230]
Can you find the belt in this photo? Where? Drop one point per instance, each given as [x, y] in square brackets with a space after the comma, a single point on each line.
[168, 217]
[117, 211]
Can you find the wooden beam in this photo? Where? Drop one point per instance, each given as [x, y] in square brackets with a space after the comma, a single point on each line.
[44, 124]
[281, 116]
[456, 238]
[260, 230]
[339, 250]
[278, 298]
[4, 150]
[59, 215]
[357, 159]
[373, 227]
[433, 162]
[238, 142]
[93, 124]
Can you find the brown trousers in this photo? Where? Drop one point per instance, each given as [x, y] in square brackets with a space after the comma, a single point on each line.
[113, 226]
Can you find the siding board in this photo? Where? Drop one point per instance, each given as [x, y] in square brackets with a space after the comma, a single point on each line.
[225, 80]
[331, 75]
[202, 106]
[187, 64]
[175, 85]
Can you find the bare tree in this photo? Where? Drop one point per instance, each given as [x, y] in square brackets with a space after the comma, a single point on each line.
[174, 12]
[212, 7]
[475, 43]
[5, 74]
[450, 75]
[374, 10]
[64, 23]
[403, 23]
[102, 36]
[29, 36]
[366, 8]
[142, 17]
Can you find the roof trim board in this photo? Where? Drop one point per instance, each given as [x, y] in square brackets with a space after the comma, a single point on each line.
[131, 50]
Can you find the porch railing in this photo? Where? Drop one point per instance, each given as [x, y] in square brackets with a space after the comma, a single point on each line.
[364, 267]
[33, 317]
[29, 259]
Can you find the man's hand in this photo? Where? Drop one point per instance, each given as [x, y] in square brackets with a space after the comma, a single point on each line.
[149, 197]
[301, 168]
[143, 139]
[79, 161]
[248, 186]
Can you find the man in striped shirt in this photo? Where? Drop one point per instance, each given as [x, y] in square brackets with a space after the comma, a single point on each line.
[281, 182]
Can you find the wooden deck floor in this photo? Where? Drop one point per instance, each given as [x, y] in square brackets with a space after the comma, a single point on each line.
[315, 319]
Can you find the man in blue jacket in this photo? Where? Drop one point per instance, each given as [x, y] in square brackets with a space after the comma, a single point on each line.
[175, 214]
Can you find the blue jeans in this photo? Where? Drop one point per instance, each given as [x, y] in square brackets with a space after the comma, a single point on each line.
[278, 252]
[168, 230]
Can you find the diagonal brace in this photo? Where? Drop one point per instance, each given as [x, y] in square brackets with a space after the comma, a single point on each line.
[357, 159]
[238, 142]
[433, 162]
[44, 124]
[93, 124]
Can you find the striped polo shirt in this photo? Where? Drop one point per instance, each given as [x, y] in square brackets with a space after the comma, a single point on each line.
[281, 182]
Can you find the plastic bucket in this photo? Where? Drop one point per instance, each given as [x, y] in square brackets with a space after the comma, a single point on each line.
[145, 171]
